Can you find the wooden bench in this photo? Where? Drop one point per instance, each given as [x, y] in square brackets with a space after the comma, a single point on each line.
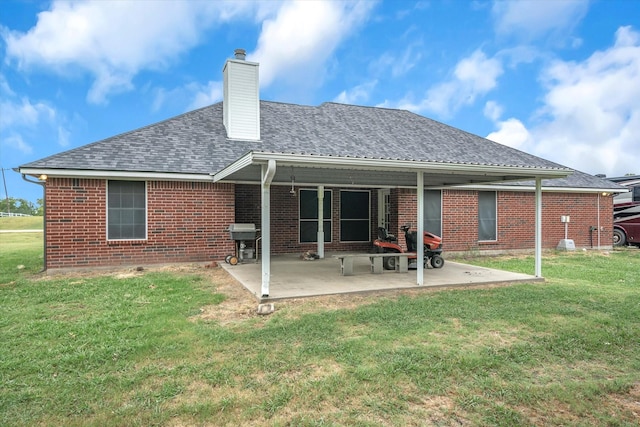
[402, 262]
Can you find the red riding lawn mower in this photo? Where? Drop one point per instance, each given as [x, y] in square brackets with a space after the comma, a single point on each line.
[388, 243]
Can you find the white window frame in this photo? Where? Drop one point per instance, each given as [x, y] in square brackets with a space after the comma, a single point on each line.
[146, 214]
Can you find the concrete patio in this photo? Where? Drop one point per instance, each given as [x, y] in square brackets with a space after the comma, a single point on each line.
[292, 277]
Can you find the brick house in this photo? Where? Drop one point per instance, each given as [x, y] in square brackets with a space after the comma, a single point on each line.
[167, 192]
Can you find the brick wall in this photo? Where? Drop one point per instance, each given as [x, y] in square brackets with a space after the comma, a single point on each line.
[459, 220]
[516, 219]
[285, 219]
[185, 222]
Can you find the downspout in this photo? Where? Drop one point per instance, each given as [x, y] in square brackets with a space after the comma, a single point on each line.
[268, 172]
[42, 182]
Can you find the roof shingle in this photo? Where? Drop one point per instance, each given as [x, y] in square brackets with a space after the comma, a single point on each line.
[195, 142]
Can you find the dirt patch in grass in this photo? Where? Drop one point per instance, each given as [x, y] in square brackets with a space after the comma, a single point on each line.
[629, 402]
[437, 410]
[238, 306]
[118, 272]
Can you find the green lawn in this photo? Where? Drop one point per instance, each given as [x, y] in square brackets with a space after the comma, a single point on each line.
[21, 223]
[177, 347]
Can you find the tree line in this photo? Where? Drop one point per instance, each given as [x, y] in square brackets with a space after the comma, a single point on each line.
[21, 206]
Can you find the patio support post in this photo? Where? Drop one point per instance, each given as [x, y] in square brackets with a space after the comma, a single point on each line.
[268, 171]
[420, 229]
[538, 227]
[321, 221]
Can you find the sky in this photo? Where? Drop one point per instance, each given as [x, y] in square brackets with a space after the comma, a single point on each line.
[559, 79]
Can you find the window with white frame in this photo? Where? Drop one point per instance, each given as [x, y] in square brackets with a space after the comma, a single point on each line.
[309, 216]
[126, 210]
[487, 216]
[355, 216]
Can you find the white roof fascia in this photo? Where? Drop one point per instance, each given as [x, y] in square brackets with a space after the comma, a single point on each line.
[386, 164]
[105, 174]
[498, 187]
[238, 165]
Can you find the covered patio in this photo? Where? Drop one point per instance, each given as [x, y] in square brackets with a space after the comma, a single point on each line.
[293, 277]
[268, 169]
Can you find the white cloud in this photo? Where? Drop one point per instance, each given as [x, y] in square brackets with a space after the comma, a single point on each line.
[591, 115]
[473, 77]
[23, 117]
[493, 110]
[5, 89]
[513, 133]
[357, 95]
[193, 95]
[410, 57]
[207, 95]
[24, 113]
[16, 142]
[63, 136]
[478, 73]
[115, 40]
[296, 44]
[531, 19]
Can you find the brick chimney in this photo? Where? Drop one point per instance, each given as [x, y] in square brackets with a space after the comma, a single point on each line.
[241, 98]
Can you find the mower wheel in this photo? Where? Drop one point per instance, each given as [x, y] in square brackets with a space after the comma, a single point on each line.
[233, 260]
[437, 261]
[227, 258]
[389, 263]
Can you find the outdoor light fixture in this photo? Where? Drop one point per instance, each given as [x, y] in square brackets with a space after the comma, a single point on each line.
[292, 191]
[293, 180]
[42, 177]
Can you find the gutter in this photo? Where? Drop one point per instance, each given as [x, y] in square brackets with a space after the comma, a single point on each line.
[317, 161]
[102, 174]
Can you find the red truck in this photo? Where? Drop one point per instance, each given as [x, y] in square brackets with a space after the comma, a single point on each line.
[626, 212]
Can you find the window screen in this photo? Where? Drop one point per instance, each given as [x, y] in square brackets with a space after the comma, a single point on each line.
[126, 210]
[487, 215]
[355, 222]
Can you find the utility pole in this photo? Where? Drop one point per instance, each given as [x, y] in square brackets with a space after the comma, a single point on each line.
[6, 193]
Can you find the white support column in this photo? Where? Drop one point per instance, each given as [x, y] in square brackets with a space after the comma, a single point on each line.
[598, 222]
[420, 229]
[321, 221]
[538, 232]
[268, 172]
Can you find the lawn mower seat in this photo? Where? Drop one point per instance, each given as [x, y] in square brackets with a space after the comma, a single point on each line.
[384, 236]
[412, 241]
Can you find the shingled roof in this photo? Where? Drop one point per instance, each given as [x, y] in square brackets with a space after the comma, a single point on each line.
[196, 142]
